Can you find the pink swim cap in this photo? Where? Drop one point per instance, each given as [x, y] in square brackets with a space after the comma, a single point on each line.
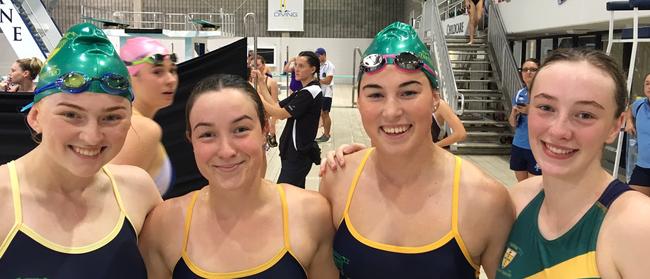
[140, 47]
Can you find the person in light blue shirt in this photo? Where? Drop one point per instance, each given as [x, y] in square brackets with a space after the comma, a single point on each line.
[638, 124]
[522, 160]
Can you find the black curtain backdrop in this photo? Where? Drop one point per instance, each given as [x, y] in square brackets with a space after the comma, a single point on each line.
[15, 136]
[16, 139]
[230, 59]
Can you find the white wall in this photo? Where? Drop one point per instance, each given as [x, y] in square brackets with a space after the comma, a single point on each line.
[576, 16]
[339, 51]
[7, 56]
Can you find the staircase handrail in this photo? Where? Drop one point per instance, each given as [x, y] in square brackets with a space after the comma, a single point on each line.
[440, 53]
[457, 6]
[508, 69]
[355, 84]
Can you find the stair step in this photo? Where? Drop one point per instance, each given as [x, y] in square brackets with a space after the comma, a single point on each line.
[489, 134]
[481, 95]
[489, 91]
[483, 111]
[475, 80]
[471, 71]
[464, 52]
[484, 122]
[483, 100]
[465, 46]
[470, 62]
[482, 148]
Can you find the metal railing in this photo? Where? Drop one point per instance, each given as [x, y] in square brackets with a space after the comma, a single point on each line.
[450, 8]
[508, 69]
[435, 36]
[355, 84]
[159, 20]
[47, 31]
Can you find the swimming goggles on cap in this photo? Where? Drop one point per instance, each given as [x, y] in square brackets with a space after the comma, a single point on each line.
[405, 60]
[75, 82]
[155, 59]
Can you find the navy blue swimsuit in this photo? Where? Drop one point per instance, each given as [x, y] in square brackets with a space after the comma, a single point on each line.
[26, 254]
[358, 257]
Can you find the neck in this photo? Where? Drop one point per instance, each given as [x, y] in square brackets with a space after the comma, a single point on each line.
[406, 169]
[26, 85]
[307, 81]
[568, 195]
[239, 202]
[51, 176]
[144, 110]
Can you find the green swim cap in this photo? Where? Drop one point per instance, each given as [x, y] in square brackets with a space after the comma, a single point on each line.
[85, 51]
[400, 37]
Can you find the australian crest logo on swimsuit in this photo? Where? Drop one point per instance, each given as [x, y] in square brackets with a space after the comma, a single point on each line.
[508, 256]
[283, 11]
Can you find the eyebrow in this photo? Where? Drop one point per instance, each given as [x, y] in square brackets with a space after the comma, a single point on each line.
[110, 109]
[206, 124]
[372, 85]
[587, 103]
[409, 83]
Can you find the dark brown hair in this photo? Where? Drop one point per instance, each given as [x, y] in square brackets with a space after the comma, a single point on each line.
[217, 83]
[597, 59]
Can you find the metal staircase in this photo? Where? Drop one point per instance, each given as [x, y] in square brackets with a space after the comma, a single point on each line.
[43, 30]
[484, 112]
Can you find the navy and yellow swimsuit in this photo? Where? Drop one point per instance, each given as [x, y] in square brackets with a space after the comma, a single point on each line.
[283, 265]
[26, 254]
[358, 257]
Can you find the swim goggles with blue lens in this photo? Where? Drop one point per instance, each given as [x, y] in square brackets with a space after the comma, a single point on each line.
[405, 60]
[75, 82]
[155, 59]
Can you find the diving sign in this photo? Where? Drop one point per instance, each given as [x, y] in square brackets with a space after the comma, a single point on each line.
[286, 15]
[456, 25]
[16, 32]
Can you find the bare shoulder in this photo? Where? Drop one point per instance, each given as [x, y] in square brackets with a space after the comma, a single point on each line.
[312, 205]
[629, 216]
[145, 126]
[524, 192]
[163, 231]
[141, 143]
[623, 243]
[137, 190]
[6, 203]
[335, 184]
[482, 190]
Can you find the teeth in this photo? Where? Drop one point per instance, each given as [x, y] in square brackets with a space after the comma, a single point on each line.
[396, 130]
[558, 150]
[87, 151]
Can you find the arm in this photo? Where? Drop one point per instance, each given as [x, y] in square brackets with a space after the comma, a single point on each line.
[289, 66]
[322, 265]
[629, 121]
[457, 128]
[512, 119]
[501, 219]
[271, 106]
[151, 243]
[627, 235]
[327, 80]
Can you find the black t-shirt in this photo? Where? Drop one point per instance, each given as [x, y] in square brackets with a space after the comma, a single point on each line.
[301, 128]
